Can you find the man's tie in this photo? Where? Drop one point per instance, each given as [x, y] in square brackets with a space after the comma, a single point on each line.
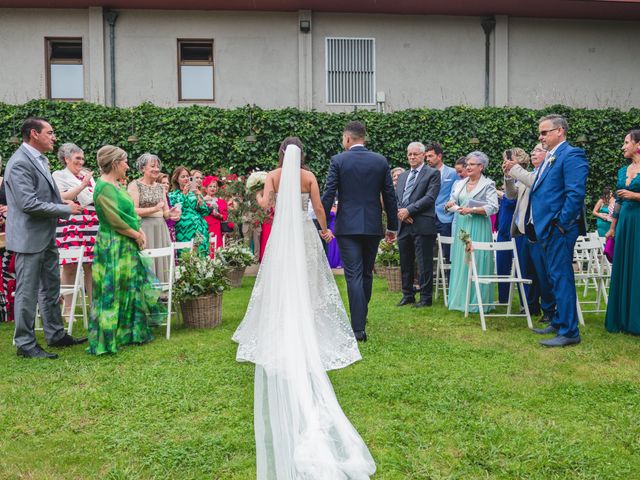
[45, 163]
[408, 188]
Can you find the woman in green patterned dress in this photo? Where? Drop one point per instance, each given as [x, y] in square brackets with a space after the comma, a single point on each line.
[192, 223]
[124, 301]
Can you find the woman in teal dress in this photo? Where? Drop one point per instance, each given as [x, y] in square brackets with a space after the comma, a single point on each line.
[474, 200]
[124, 300]
[601, 212]
[192, 223]
[623, 308]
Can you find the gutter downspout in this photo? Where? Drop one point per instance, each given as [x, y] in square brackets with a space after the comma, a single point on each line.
[488, 25]
[110, 16]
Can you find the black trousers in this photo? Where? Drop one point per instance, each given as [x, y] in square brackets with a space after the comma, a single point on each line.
[444, 229]
[417, 248]
[358, 255]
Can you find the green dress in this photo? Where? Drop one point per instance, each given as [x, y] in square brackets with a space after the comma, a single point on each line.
[192, 220]
[479, 229]
[603, 225]
[623, 308]
[124, 300]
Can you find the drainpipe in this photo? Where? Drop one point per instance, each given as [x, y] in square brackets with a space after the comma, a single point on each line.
[110, 16]
[488, 25]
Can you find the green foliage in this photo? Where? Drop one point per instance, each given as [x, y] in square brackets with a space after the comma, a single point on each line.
[388, 254]
[211, 138]
[198, 275]
[234, 255]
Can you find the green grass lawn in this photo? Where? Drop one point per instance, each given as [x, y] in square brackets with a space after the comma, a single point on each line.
[434, 397]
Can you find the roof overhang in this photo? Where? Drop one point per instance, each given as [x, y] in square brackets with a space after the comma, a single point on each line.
[579, 9]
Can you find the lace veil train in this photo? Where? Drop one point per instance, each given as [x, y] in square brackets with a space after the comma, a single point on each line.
[294, 330]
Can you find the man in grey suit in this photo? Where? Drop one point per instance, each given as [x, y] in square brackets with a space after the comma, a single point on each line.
[34, 206]
[417, 191]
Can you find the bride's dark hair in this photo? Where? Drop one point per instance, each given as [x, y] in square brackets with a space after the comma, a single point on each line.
[283, 147]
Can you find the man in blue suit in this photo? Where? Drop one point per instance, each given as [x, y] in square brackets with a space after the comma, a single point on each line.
[448, 177]
[556, 204]
[360, 177]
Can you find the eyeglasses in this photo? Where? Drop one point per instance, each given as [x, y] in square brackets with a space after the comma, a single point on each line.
[472, 164]
[412, 154]
[543, 133]
[537, 150]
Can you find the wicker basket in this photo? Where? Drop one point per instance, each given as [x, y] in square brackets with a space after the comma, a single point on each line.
[394, 279]
[235, 276]
[202, 312]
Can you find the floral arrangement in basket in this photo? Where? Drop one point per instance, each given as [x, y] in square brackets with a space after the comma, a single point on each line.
[388, 254]
[234, 255]
[199, 276]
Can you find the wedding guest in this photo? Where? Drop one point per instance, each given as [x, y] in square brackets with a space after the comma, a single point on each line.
[33, 208]
[7, 265]
[448, 176]
[219, 210]
[124, 301]
[623, 308]
[518, 182]
[186, 196]
[333, 250]
[149, 200]
[417, 190]
[601, 212]
[461, 167]
[163, 179]
[196, 176]
[76, 184]
[474, 221]
[556, 207]
[395, 173]
[506, 210]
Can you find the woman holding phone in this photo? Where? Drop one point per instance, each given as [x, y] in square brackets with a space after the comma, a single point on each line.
[186, 196]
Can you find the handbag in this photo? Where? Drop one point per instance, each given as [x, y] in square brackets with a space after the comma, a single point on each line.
[608, 248]
[225, 228]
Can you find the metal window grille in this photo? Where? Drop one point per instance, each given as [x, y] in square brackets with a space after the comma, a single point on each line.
[351, 69]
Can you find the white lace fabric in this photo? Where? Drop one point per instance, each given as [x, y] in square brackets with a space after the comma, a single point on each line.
[295, 329]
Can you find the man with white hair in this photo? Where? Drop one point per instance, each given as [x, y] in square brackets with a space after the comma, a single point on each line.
[417, 191]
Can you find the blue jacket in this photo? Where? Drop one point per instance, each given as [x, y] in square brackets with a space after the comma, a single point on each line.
[557, 196]
[360, 177]
[447, 179]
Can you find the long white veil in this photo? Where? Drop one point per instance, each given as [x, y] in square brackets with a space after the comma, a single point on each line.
[301, 431]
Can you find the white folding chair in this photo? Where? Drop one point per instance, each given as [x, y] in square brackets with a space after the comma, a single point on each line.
[514, 278]
[594, 270]
[442, 268]
[165, 287]
[76, 289]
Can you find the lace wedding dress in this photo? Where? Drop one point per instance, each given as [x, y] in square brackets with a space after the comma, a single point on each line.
[295, 329]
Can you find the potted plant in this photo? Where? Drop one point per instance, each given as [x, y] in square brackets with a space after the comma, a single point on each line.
[198, 287]
[234, 257]
[388, 261]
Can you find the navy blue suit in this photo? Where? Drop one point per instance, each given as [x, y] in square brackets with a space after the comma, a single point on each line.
[360, 177]
[556, 202]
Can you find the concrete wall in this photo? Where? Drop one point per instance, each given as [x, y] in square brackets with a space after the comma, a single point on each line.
[262, 58]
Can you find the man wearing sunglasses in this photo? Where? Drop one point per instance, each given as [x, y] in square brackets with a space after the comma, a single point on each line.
[556, 203]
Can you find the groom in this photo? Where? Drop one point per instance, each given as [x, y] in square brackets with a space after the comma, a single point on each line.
[360, 177]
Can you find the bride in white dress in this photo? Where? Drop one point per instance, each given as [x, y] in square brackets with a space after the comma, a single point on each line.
[295, 329]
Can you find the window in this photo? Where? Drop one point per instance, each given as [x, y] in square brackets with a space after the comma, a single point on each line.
[195, 70]
[351, 68]
[65, 74]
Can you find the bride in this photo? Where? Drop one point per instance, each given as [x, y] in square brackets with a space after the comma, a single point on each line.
[294, 330]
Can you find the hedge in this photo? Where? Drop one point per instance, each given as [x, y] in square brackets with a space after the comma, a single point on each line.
[208, 138]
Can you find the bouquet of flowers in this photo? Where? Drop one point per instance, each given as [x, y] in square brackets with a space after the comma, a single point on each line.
[388, 254]
[468, 246]
[255, 182]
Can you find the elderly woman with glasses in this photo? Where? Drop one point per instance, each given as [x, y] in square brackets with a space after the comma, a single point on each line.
[76, 184]
[149, 200]
[474, 200]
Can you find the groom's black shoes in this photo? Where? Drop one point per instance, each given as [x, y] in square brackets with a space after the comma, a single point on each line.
[35, 352]
[68, 341]
[406, 301]
[361, 336]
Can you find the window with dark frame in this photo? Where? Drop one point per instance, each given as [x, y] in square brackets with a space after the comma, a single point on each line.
[65, 71]
[195, 70]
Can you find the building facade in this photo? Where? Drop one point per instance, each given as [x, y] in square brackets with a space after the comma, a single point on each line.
[286, 55]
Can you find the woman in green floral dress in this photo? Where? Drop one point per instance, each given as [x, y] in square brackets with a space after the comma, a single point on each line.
[194, 209]
[124, 300]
